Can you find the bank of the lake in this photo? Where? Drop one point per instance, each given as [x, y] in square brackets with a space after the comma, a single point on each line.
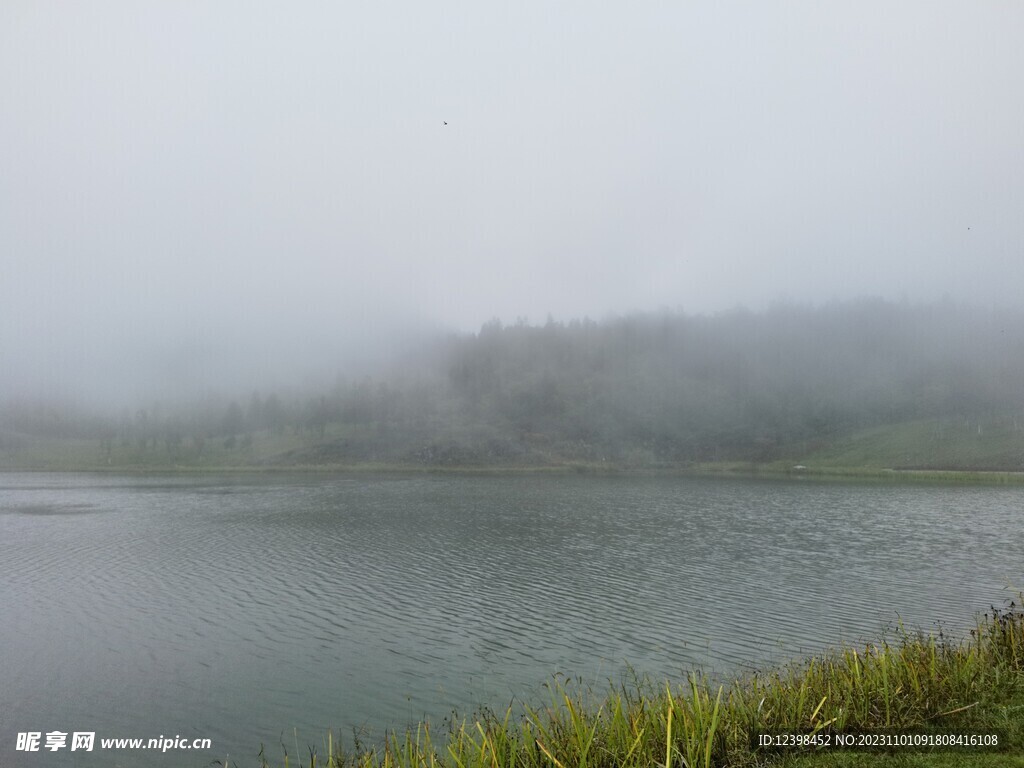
[945, 694]
[838, 473]
[731, 470]
[924, 451]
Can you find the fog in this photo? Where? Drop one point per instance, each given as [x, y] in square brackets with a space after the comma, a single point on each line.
[202, 195]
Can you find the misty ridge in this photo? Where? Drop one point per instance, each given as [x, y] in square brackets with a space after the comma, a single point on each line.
[642, 390]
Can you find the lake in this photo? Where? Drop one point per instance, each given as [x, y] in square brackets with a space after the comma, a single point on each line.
[269, 609]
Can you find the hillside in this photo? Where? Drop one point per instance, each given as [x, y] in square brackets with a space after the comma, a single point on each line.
[861, 384]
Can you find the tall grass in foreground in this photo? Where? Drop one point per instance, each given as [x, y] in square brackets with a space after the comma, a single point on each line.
[912, 682]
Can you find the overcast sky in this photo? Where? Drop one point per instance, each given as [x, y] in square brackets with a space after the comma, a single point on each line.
[277, 176]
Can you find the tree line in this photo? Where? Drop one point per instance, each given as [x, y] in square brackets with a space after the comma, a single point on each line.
[645, 389]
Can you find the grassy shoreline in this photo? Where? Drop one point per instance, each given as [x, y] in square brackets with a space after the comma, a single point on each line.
[910, 684]
[773, 471]
[911, 452]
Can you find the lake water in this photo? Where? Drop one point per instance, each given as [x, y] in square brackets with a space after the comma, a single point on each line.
[269, 609]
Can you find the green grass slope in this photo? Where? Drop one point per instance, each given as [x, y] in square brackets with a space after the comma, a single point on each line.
[954, 445]
[949, 446]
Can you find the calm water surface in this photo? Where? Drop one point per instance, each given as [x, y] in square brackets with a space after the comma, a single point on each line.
[244, 609]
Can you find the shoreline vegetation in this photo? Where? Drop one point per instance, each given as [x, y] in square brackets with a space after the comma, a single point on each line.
[271, 454]
[910, 684]
[703, 470]
[908, 452]
[736, 470]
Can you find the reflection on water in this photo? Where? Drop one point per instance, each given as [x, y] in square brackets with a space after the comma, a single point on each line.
[47, 509]
[241, 608]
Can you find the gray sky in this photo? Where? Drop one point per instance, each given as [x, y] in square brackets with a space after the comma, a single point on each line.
[201, 184]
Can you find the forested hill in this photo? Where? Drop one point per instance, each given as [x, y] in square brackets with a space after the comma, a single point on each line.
[740, 385]
[660, 389]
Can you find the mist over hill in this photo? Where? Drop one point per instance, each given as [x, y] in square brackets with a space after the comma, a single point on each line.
[271, 237]
[646, 389]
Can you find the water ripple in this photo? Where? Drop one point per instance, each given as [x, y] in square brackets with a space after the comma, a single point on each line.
[262, 604]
